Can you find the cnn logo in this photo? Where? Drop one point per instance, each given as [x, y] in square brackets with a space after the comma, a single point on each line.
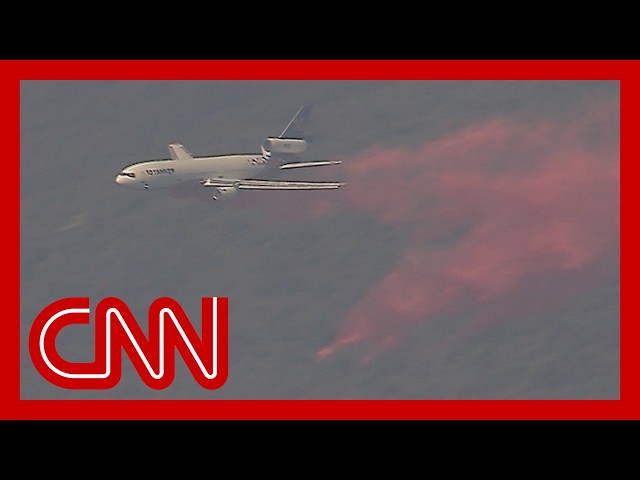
[116, 330]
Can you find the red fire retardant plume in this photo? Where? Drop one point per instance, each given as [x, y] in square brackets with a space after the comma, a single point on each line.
[503, 217]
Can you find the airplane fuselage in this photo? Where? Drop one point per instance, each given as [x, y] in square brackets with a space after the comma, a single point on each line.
[164, 173]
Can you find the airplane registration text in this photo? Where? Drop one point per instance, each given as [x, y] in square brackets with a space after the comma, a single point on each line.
[159, 171]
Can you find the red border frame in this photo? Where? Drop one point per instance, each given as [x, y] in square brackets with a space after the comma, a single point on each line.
[625, 71]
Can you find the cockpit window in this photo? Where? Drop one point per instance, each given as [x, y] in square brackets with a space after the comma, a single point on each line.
[128, 174]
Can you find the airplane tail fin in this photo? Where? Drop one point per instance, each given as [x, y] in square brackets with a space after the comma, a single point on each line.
[178, 152]
[295, 127]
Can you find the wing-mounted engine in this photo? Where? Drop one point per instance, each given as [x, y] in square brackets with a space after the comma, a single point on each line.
[224, 193]
[224, 189]
[292, 146]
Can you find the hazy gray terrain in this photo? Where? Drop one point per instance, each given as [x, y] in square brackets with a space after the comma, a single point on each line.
[473, 253]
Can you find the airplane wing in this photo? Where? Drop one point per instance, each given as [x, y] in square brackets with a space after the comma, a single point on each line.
[318, 163]
[270, 184]
[178, 152]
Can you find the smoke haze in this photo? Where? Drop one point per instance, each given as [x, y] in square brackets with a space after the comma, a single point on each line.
[473, 253]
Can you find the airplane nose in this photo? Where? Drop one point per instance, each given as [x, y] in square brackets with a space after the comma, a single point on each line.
[118, 179]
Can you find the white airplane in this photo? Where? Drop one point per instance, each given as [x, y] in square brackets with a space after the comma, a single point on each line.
[230, 173]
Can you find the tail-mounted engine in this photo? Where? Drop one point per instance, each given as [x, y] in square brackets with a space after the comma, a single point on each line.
[285, 145]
